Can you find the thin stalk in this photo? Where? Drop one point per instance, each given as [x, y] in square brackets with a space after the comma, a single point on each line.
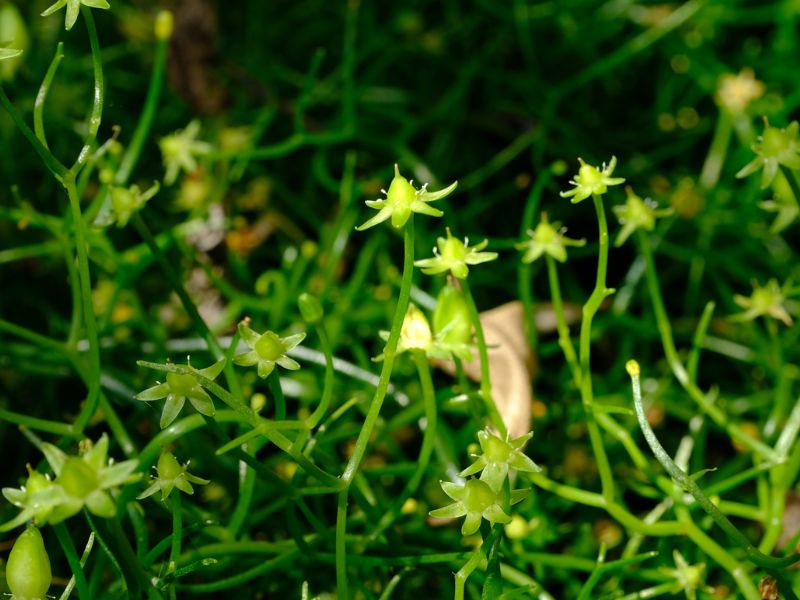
[327, 386]
[688, 484]
[58, 170]
[146, 118]
[483, 351]
[371, 419]
[274, 384]
[428, 443]
[599, 293]
[564, 339]
[90, 323]
[678, 370]
[177, 531]
[474, 562]
[709, 175]
[96, 115]
[84, 557]
[41, 97]
[71, 555]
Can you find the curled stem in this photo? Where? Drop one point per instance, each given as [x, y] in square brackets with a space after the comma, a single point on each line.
[41, 97]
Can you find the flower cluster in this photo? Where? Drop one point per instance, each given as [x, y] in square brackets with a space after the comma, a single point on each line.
[180, 386]
[267, 350]
[774, 148]
[170, 475]
[180, 149]
[451, 254]
[591, 181]
[482, 498]
[451, 334]
[637, 214]
[765, 301]
[83, 480]
[548, 238]
[402, 199]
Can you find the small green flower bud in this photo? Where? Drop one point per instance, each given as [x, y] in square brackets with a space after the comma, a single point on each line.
[451, 322]
[310, 307]
[28, 571]
[165, 25]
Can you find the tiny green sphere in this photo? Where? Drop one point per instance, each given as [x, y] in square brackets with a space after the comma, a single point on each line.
[28, 570]
[269, 346]
[774, 142]
[168, 466]
[495, 450]
[479, 496]
[181, 383]
[77, 478]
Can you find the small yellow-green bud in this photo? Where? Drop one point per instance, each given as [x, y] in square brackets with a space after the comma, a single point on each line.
[28, 570]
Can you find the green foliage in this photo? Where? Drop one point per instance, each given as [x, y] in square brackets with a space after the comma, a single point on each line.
[233, 151]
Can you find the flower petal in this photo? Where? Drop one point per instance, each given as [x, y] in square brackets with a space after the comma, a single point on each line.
[455, 490]
[451, 511]
[471, 524]
[384, 214]
[183, 485]
[288, 363]
[101, 504]
[265, 367]
[291, 341]
[96, 456]
[119, 473]
[154, 487]
[249, 336]
[214, 370]
[248, 359]
[201, 401]
[172, 407]
[55, 457]
[54, 7]
[495, 514]
[427, 196]
[157, 392]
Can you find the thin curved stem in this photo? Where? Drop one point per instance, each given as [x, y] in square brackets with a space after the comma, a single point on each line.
[688, 484]
[360, 449]
[483, 351]
[96, 115]
[564, 339]
[41, 97]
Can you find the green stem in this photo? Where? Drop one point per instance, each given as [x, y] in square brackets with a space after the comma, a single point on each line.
[525, 270]
[564, 339]
[678, 370]
[599, 293]
[96, 114]
[177, 531]
[327, 386]
[142, 131]
[274, 384]
[58, 170]
[483, 351]
[71, 555]
[688, 484]
[371, 419]
[474, 562]
[428, 443]
[84, 557]
[85, 283]
[709, 176]
[41, 97]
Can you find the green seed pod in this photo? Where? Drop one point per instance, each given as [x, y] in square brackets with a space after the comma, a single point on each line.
[451, 322]
[28, 571]
[310, 307]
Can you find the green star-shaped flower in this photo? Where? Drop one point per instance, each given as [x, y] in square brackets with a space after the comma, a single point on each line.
[688, 578]
[498, 457]
[547, 238]
[591, 180]
[475, 500]
[36, 498]
[637, 214]
[268, 349]
[451, 254]
[775, 147]
[764, 301]
[9, 53]
[73, 7]
[179, 149]
[124, 202]
[180, 386]
[80, 481]
[402, 199]
[171, 474]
